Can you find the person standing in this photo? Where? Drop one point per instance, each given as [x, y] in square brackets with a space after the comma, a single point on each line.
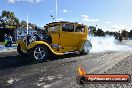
[6, 40]
[10, 40]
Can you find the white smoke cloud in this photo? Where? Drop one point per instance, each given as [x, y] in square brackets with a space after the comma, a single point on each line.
[108, 43]
[30, 1]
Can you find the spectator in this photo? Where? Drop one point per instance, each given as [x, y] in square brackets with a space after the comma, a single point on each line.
[6, 39]
[10, 40]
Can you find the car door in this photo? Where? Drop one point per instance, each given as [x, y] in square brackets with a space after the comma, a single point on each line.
[67, 37]
[81, 33]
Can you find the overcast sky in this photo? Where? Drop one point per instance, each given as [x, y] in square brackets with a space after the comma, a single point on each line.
[107, 14]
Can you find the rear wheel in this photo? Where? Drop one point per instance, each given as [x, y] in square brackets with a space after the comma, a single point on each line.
[86, 47]
[39, 53]
[20, 51]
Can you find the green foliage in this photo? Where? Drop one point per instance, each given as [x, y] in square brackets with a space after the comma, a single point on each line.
[130, 34]
[23, 24]
[100, 32]
[4, 13]
[124, 34]
[9, 20]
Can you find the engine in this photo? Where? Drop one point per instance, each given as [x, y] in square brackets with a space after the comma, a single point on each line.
[38, 37]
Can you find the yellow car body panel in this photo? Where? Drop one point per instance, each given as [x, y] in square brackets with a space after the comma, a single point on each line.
[55, 37]
[33, 44]
[22, 44]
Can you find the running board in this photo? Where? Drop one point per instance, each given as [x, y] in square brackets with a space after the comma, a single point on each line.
[72, 52]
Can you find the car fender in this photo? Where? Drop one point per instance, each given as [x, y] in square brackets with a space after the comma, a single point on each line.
[33, 44]
[22, 44]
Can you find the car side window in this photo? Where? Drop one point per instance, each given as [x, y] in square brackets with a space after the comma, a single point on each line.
[79, 29]
[54, 28]
[68, 27]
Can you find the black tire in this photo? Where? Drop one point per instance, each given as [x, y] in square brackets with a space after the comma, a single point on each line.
[19, 50]
[86, 48]
[39, 53]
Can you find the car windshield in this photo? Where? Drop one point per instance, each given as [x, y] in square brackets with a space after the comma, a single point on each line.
[53, 28]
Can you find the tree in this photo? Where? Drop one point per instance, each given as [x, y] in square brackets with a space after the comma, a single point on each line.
[4, 13]
[130, 34]
[23, 24]
[10, 19]
[124, 34]
[100, 32]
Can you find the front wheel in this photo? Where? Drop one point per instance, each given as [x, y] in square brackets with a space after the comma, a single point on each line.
[86, 47]
[20, 51]
[39, 53]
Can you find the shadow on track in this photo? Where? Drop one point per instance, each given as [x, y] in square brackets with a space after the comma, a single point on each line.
[7, 61]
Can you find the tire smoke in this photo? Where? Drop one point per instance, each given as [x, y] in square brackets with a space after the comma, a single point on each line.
[107, 43]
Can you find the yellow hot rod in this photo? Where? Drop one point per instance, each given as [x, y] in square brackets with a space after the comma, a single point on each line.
[57, 38]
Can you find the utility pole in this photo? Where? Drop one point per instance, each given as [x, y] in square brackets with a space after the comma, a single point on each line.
[56, 10]
[27, 23]
[27, 39]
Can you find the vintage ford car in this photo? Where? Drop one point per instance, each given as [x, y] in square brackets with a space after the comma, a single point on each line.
[57, 38]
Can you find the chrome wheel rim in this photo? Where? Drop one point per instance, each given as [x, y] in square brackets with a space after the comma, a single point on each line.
[39, 53]
[87, 46]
